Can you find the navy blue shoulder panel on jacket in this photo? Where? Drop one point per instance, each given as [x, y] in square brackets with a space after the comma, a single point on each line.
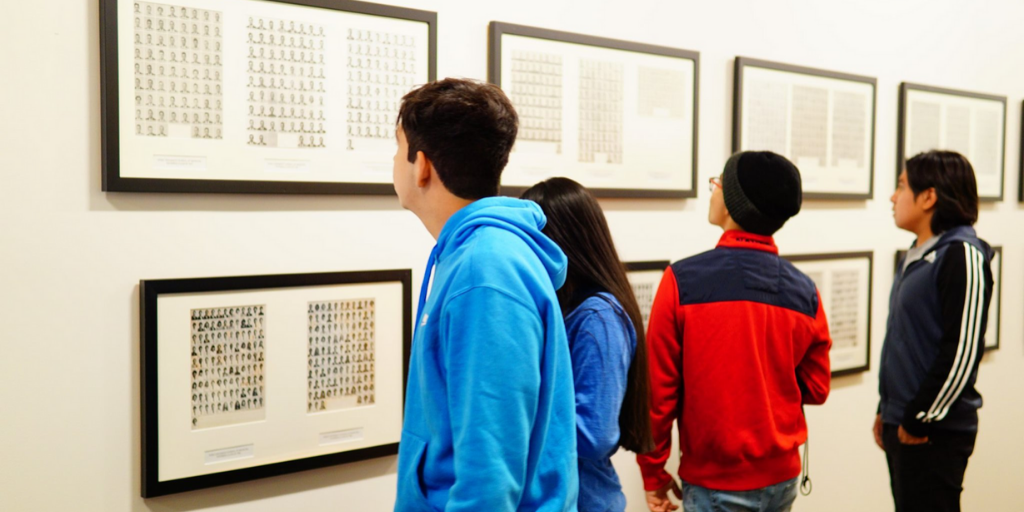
[728, 274]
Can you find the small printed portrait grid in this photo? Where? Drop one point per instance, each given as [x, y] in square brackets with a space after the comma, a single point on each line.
[341, 354]
[644, 293]
[228, 349]
[537, 95]
[850, 118]
[178, 71]
[661, 93]
[381, 68]
[810, 123]
[601, 111]
[768, 106]
[286, 83]
[844, 308]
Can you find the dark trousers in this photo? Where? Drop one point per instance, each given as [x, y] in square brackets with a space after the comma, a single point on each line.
[930, 476]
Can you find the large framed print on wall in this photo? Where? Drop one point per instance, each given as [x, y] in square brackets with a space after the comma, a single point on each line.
[822, 121]
[992, 329]
[256, 96]
[256, 376]
[617, 116]
[972, 124]
[844, 283]
[644, 277]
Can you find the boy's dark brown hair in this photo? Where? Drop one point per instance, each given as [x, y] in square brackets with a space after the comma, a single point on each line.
[466, 128]
[956, 188]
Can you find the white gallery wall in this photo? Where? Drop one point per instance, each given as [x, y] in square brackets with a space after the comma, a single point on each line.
[71, 256]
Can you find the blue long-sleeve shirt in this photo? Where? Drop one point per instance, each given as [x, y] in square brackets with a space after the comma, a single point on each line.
[602, 342]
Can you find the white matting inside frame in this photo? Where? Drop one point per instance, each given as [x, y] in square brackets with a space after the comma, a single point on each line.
[973, 127]
[844, 285]
[604, 117]
[645, 287]
[288, 430]
[342, 73]
[823, 125]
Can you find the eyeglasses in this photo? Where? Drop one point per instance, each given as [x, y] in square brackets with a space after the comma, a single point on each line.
[714, 182]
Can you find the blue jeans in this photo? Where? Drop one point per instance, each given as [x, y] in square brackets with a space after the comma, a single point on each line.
[774, 498]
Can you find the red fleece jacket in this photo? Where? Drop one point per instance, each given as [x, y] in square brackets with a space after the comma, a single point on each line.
[737, 342]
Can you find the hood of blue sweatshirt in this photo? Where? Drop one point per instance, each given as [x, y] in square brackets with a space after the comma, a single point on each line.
[524, 219]
[490, 419]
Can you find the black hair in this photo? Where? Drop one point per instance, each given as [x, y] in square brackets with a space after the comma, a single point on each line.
[956, 188]
[577, 224]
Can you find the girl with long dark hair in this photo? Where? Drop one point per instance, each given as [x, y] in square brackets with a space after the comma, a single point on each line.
[606, 339]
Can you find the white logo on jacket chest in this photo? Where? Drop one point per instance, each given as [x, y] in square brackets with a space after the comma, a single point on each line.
[423, 321]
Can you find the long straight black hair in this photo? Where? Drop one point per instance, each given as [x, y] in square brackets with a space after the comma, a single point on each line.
[577, 224]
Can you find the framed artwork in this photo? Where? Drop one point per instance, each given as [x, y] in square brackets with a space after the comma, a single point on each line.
[645, 276]
[254, 96]
[970, 123]
[617, 116]
[844, 283]
[256, 376]
[822, 121]
[992, 329]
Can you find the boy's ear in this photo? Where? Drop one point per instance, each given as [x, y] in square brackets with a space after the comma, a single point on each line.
[928, 199]
[423, 168]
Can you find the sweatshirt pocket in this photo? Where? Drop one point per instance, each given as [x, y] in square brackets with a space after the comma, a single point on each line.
[411, 493]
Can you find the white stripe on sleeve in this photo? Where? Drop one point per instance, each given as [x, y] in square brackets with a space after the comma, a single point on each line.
[966, 347]
[977, 310]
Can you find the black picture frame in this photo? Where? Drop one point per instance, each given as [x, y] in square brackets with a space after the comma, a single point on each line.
[997, 297]
[110, 105]
[870, 256]
[1020, 178]
[499, 29]
[642, 266]
[149, 293]
[901, 131]
[742, 63]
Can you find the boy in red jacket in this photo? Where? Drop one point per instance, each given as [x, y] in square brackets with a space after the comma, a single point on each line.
[738, 342]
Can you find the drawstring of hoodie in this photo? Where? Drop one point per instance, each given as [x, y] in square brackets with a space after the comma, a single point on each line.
[805, 473]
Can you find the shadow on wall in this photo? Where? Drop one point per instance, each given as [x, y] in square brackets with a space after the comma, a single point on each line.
[243, 492]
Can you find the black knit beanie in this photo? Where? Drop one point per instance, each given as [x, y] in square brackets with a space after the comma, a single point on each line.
[762, 190]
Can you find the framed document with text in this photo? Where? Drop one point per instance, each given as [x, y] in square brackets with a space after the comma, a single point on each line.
[992, 329]
[844, 283]
[970, 123]
[617, 116]
[256, 376]
[255, 96]
[822, 121]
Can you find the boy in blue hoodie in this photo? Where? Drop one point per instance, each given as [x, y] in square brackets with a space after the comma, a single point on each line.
[489, 410]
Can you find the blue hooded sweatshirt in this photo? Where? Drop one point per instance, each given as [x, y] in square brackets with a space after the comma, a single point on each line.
[489, 411]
